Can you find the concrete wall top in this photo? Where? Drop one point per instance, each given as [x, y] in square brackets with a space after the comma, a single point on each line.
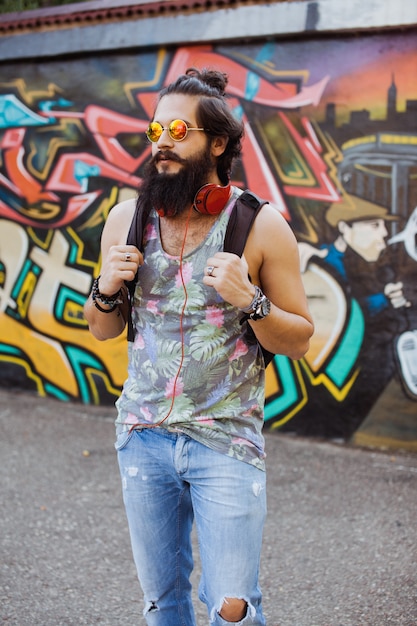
[76, 29]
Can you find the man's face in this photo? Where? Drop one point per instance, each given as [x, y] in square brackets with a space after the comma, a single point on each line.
[365, 237]
[168, 153]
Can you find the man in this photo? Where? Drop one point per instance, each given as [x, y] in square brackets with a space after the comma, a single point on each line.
[191, 412]
[362, 231]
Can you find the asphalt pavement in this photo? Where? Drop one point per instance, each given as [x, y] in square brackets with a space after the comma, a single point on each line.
[339, 547]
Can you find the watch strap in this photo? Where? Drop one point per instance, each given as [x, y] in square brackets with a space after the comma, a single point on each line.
[260, 306]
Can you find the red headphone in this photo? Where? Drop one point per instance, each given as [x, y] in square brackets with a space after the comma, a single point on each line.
[211, 199]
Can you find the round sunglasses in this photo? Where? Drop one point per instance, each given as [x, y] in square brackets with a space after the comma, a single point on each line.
[178, 130]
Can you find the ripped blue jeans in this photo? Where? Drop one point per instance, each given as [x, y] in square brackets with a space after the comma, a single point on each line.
[168, 480]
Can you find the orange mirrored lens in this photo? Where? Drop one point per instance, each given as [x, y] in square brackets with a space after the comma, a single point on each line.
[154, 131]
[177, 130]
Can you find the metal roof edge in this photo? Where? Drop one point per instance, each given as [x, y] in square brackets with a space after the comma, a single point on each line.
[197, 21]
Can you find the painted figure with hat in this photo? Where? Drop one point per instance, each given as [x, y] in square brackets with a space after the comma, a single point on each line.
[360, 260]
[362, 230]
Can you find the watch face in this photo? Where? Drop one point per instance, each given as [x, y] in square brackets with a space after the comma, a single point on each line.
[265, 307]
[262, 310]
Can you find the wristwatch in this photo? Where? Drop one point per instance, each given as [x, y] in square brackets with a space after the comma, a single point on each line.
[260, 306]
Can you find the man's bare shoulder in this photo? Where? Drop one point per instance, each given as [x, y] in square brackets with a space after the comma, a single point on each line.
[271, 226]
[118, 222]
[123, 210]
[271, 212]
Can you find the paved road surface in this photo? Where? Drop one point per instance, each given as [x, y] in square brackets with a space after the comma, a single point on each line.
[340, 542]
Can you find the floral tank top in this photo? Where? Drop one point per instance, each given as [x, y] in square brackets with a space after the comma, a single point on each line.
[191, 369]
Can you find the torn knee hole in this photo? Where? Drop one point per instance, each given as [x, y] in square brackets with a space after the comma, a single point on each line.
[233, 609]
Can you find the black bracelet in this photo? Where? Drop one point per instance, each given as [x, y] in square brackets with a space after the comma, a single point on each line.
[112, 301]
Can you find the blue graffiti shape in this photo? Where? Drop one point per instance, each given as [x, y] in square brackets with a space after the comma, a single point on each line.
[13, 113]
[83, 171]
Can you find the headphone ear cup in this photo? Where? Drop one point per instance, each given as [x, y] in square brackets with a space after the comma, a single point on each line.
[211, 199]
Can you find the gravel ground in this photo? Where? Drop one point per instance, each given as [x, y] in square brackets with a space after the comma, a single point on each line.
[340, 541]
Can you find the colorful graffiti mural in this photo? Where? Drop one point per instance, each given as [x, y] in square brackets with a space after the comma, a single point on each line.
[331, 140]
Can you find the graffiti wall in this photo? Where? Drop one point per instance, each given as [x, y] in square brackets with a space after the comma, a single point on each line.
[331, 140]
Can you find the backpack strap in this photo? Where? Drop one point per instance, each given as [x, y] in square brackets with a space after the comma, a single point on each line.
[135, 238]
[241, 220]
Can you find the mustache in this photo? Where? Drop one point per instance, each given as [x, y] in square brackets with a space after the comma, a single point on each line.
[167, 156]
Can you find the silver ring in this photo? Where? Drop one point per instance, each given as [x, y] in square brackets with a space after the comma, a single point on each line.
[128, 256]
[210, 270]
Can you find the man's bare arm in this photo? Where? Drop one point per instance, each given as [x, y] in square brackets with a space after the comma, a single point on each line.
[119, 264]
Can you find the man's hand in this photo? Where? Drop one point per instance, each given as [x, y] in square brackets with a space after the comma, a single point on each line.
[120, 265]
[227, 273]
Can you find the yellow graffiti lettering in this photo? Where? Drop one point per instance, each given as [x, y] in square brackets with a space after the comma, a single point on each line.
[25, 294]
[73, 314]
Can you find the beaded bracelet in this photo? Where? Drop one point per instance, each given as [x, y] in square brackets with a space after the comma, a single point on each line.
[112, 301]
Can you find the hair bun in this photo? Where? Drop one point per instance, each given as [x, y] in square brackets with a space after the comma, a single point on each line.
[214, 79]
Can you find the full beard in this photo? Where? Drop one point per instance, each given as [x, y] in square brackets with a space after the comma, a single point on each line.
[172, 194]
